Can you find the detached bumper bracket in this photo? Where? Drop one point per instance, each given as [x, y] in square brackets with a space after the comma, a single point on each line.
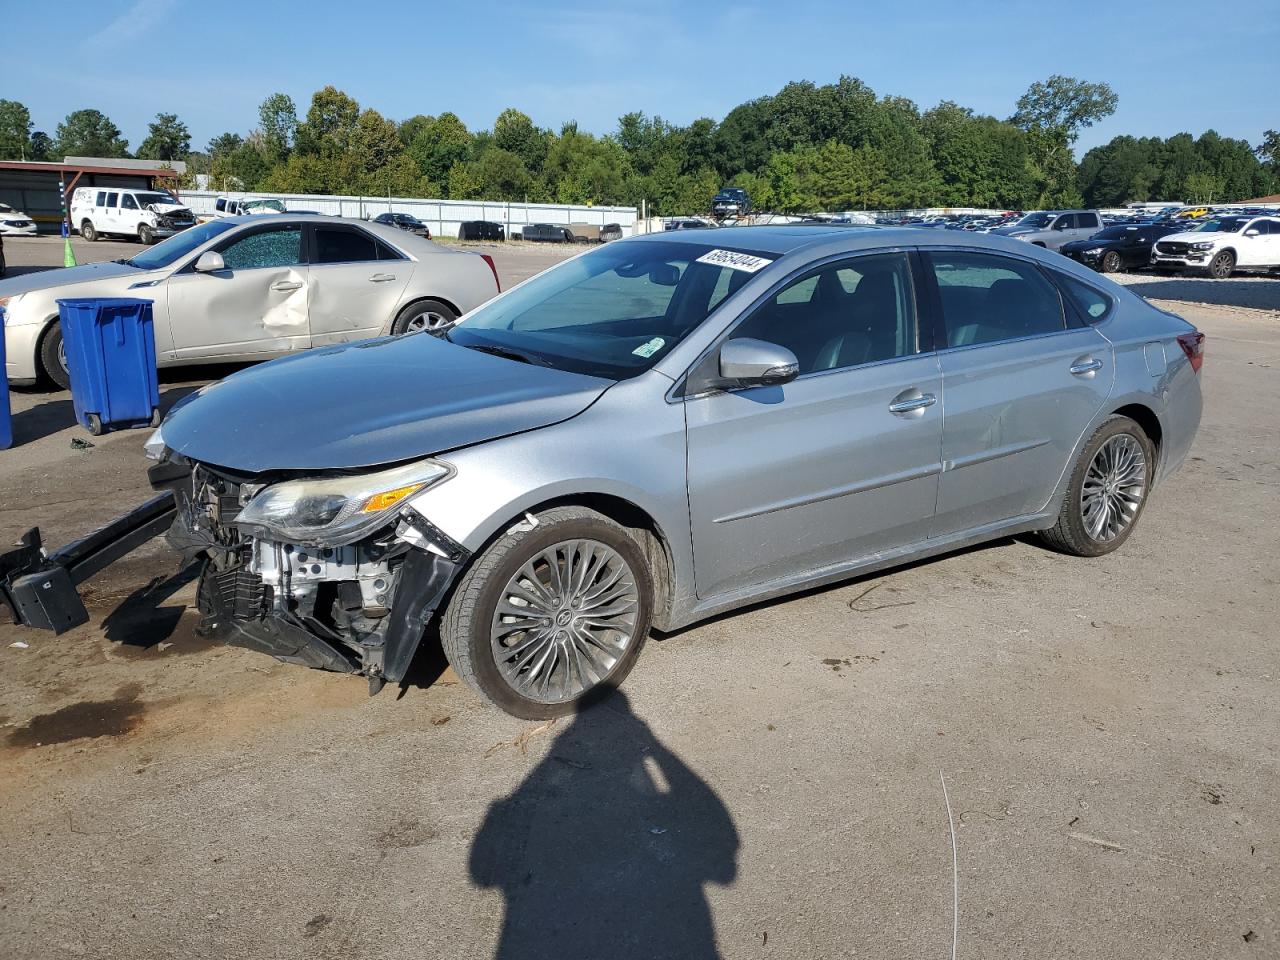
[40, 589]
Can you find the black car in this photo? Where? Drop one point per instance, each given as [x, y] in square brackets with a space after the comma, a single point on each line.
[547, 233]
[481, 230]
[731, 201]
[1123, 246]
[405, 222]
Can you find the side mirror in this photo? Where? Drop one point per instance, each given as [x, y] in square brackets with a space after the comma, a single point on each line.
[1252, 233]
[210, 262]
[749, 362]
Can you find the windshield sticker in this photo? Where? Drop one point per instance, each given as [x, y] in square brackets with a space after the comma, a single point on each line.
[735, 261]
[647, 350]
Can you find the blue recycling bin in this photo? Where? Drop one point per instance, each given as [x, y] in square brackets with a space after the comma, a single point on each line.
[6, 420]
[111, 356]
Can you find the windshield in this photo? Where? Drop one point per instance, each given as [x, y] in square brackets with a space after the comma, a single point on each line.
[178, 246]
[1035, 221]
[1221, 225]
[613, 313]
[148, 198]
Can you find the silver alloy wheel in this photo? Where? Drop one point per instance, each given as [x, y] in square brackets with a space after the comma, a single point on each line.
[427, 320]
[1113, 488]
[564, 620]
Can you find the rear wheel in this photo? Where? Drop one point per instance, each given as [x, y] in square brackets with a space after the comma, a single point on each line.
[1220, 267]
[1111, 262]
[1107, 491]
[87, 231]
[430, 315]
[550, 612]
[53, 356]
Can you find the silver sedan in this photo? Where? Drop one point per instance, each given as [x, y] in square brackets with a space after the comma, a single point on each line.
[250, 288]
[667, 428]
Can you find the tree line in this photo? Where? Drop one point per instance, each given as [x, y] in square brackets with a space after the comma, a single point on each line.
[808, 147]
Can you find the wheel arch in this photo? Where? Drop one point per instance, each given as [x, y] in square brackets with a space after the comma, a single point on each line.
[653, 539]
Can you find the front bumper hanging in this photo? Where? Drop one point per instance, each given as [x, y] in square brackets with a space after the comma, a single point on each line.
[39, 588]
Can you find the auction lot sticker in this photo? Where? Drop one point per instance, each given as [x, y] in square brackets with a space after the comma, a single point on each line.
[736, 261]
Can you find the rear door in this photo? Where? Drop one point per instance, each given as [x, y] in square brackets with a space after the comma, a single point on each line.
[356, 283]
[1023, 378]
[107, 217]
[257, 306]
[841, 463]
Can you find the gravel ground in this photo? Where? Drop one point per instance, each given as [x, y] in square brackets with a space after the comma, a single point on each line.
[1252, 292]
[770, 786]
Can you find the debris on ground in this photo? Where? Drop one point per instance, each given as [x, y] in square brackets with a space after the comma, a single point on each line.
[522, 741]
[79, 443]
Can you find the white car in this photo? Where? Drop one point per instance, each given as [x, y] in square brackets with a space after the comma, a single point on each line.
[1220, 245]
[142, 215]
[15, 223]
[251, 288]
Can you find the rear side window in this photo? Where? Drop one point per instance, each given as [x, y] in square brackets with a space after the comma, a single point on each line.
[987, 299]
[111, 199]
[101, 200]
[1089, 220]
[344, 246]
[267, 248]
[1092, 304]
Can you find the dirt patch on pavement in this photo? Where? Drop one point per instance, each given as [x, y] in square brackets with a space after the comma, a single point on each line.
[88, 719]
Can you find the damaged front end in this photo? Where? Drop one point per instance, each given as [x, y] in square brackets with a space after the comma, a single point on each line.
[326, 572]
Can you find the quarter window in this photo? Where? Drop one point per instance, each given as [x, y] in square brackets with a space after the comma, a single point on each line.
[1091, 303]
[854, 312]
[281, 247]
[987, 299]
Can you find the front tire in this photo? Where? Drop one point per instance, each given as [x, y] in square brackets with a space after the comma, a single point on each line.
[429, 315]
[87, 231]
[1111, 262]
[53, 356]
[146, 236]
[1107, 491]
[1220, 267]
[550, 612]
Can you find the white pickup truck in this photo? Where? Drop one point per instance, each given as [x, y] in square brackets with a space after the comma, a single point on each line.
[142, 215]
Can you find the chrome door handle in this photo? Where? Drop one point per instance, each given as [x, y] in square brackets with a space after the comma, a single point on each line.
[912, 401]
[1086, 366]
[285, 285]
[382, 277]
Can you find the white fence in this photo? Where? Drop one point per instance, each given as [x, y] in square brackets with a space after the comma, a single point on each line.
[442, 216]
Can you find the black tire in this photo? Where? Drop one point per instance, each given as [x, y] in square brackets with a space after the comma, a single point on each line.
[1220, 267]
[1069, 535]
[405, 317]
[146, 235]
[3, 268]
[87, 231]
[1111, 262]
[465, 627]
[51, 360]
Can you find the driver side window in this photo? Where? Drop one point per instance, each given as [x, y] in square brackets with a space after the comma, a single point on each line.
[843, 315]
[280, 247]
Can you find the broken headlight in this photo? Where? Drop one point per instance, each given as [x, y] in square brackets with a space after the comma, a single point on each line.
[337, 510]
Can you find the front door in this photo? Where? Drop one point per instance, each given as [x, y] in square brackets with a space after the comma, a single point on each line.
[1021, 382]
[256, 307]
[839, 464]
[356, 283]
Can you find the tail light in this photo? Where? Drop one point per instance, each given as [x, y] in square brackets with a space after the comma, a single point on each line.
[498, 283]
[1192, 345]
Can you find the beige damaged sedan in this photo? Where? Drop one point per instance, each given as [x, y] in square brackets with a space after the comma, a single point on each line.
[250, 288]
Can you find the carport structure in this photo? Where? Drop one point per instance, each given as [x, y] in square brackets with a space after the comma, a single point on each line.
[32, 186]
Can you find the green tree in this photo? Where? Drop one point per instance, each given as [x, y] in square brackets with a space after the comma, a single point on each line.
[167, 139]
[374, 142]
[515, 133]
[42, 147]
[241, 168]
[278, 121]
[438, 144]
[331, 123]
[15, 131]
[1064, 104]
[90, 133]
[224, 143]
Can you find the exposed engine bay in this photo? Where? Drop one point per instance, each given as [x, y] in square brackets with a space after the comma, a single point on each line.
[358, 607]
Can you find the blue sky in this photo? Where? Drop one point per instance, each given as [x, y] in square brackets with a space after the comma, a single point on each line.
[1176, 65]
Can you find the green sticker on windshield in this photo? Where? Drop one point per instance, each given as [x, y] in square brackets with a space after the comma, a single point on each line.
[647, 350]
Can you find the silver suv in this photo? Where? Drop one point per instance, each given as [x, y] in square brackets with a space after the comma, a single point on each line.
[1052, 228]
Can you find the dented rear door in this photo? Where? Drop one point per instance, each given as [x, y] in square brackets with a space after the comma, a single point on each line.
[357, 283]
[257, 306]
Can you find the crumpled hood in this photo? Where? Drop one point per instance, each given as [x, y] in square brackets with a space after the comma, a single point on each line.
[45, 279]
[370, 403]
[167, 208]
